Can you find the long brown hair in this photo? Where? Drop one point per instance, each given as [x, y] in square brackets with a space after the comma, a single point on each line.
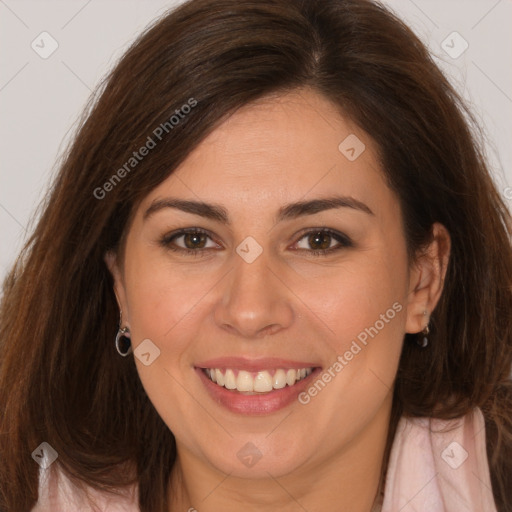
[61, 379]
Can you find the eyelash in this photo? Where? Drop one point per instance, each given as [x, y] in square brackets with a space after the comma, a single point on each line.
[343, 240]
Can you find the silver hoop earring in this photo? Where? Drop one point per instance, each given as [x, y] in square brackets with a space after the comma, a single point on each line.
[123, 342]
[422, 340]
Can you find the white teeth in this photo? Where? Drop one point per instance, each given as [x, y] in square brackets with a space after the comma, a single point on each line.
[263, 382]
[229, 379]
[279, 380]
[219, 378]
[244, 381]
[291, 377]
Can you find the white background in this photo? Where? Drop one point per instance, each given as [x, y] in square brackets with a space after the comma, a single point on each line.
[41, 99]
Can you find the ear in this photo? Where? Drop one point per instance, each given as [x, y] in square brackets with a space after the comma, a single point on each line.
[119, 288]
[426, 279]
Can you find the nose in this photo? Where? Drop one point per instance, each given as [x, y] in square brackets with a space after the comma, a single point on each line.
[255, 302]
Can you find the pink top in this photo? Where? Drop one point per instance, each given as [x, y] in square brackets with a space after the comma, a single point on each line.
[429, 471]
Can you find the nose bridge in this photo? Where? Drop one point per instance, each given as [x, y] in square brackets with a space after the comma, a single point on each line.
[253, 301]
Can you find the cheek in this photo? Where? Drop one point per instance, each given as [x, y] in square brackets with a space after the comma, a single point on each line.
[365, 312]
[161, 296]
[363, 306]
[164, 302]
[365, 294]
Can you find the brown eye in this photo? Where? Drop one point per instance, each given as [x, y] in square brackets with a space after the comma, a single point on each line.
[320, 242]
[194, 240]
[190, 241]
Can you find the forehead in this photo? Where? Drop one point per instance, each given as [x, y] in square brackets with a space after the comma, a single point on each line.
[280, 149]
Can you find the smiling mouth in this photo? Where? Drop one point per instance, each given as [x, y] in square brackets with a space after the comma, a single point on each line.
[254, 383]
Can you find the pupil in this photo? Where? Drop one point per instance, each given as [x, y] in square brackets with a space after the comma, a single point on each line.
[320, 238]
[192, 239]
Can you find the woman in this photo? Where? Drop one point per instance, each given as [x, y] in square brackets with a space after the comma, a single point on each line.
[273, 272]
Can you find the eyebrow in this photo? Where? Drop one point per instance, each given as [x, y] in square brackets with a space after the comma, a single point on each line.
[290, 211]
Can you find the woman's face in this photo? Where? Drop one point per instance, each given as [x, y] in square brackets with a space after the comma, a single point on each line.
[269, 279]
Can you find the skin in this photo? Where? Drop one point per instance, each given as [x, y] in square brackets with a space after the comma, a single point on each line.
[288, 303]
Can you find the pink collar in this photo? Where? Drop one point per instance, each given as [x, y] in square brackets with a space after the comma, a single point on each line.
[439, 466]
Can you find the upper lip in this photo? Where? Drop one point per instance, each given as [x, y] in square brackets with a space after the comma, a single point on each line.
[252, 365]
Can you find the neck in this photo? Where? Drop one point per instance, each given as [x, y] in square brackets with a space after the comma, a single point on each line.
[348, 480]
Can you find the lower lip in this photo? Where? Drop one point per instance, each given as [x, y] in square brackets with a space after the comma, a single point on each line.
[260, 404]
